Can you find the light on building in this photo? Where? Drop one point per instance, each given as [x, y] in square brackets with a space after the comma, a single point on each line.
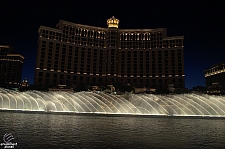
[113, 22]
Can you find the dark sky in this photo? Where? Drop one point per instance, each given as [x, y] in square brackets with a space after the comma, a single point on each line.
[200, 22]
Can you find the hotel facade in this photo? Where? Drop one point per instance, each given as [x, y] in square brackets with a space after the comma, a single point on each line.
[11, 65]
[73, 53]
[215, 76]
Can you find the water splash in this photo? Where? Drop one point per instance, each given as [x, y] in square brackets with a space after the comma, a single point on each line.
[99, 102]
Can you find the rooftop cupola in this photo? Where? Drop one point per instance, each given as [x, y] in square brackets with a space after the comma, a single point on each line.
[113, 22]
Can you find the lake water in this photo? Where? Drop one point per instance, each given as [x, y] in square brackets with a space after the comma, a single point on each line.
[77, 131]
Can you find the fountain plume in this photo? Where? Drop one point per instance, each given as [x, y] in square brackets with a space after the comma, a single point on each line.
[99, 102]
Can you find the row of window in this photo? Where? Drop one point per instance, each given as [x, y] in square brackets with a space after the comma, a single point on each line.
[68, 79]
[72, 30]
[215, 69]
[134, 54]
[97, 38]
[4, 51]
[141, 36]
[112, 74]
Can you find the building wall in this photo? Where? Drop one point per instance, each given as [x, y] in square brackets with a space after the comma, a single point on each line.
[10, 67]
[216, 74]
[76, 53]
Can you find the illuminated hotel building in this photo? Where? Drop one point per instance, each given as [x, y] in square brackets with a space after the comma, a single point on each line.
[74, 53]
[215, 75]
[10, 67]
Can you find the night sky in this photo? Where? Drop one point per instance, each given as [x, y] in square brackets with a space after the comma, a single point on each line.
[200, 22]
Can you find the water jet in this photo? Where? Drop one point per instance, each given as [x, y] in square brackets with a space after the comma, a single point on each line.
[101, 103]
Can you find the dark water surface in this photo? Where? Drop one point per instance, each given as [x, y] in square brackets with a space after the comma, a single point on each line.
[73, 131]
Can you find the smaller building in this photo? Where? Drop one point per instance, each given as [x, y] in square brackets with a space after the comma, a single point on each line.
[215, 79]
[25, 83]
[10, 67]
[198, 90]
[215, 89]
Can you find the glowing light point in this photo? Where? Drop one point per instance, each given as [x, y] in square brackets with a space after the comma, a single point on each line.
[113, 22]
